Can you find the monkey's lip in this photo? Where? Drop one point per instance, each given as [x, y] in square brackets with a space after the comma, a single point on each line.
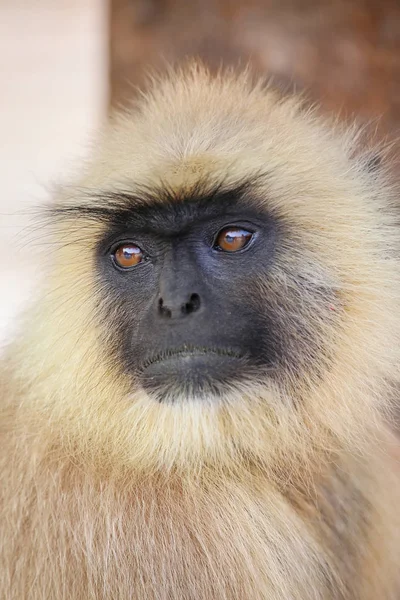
[188, 352]
[191, 370]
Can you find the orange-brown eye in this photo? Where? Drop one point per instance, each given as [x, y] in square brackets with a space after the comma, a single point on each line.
[232, 239]
[128, 255]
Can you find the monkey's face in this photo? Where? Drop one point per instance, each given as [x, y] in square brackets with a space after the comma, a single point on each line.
[183, 275]
[226, 282]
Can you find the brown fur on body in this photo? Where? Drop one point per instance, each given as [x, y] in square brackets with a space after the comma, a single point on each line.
[286, 488]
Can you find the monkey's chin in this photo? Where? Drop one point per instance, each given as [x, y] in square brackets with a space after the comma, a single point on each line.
[191, 375]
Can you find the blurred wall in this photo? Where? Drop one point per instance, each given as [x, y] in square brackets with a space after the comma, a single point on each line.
[53, 94]
[345, 52]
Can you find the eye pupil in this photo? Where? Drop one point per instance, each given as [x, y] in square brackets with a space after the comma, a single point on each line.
[232, 239]
[128, 255]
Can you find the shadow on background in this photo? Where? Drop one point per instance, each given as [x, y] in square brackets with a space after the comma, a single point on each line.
[345, 52]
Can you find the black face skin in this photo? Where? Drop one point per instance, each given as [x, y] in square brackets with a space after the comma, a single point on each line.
[192, 320]
[187, 320]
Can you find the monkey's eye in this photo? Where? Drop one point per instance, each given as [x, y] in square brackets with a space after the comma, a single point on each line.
[232, 239]
[127, 255]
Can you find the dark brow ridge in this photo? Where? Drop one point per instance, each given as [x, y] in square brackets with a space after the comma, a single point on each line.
[106, 206]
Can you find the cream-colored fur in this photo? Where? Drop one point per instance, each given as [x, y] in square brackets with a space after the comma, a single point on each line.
[277, 491]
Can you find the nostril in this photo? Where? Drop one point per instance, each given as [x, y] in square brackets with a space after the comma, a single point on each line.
[169, 310]
[192, 306]
[163, 310]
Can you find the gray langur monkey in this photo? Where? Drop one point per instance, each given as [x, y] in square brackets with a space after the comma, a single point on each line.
[196, 408]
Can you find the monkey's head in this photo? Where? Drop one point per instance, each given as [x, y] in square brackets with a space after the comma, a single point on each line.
[224, 284]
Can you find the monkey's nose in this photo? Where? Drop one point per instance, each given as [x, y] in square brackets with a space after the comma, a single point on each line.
[169, 309]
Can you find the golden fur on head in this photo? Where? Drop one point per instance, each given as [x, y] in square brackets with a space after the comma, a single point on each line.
[339, 223]
[265, 468]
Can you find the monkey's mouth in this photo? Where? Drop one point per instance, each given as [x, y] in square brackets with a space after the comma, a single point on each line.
[189, 352]
[191, 370]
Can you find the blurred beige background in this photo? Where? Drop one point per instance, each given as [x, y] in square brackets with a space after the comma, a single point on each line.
[53, 64]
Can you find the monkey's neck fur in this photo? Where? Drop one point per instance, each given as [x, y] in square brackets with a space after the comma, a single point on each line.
[312, 522]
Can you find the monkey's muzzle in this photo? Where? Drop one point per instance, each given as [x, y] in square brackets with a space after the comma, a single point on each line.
[194, 371]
